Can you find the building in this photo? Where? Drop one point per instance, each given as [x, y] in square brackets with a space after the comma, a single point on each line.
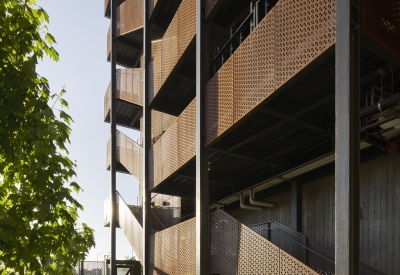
[243, 108]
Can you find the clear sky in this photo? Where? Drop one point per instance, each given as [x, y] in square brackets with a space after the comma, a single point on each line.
[80, 30]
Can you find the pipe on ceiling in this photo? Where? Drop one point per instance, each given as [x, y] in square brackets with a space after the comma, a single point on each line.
[249, 207]
[258, 203]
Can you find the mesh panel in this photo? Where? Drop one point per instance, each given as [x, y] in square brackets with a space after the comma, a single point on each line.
[303, 30]
[166, 209]
[90, 268]
[152, 5]
[176, 146]
[237, 249]
[173, 251]
[291, 35]
[219, 102]
[382, 22]
[129, 16]
[176, 39]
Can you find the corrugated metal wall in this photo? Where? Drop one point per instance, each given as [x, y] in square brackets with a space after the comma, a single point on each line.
[380, 205]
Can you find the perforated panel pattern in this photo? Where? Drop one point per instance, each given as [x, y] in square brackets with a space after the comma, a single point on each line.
[176, 146]
[290, 265]
[382, 22]
[129, 16]
[129, 154]
[176, 39]
[303, 30]
[291, 36]
[224, 244]
[167, 209]
[218, 101]
[254, 72]
[174, 249]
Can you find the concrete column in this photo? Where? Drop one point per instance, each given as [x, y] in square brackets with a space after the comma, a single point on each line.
[347, 142]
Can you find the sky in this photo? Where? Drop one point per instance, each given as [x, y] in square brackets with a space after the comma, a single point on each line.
[80, 29]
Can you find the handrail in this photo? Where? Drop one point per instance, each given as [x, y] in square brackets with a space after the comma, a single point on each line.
[158, 219]
[269, 226]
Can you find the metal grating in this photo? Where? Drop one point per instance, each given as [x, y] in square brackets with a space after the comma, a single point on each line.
[129, 16]
[177, 38]
[291, 36]
[210, 4]
[173, 251]
[303, 30]
[218, 101]
[176, 146]
[381, 20]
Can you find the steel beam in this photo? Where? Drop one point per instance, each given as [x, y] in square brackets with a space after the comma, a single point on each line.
[347, 141]
[147, 141]
[113, 143]
[202, 184]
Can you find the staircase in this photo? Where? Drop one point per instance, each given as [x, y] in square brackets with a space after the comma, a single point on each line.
[314, 254]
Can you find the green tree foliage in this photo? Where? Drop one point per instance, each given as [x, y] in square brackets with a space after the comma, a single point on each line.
[38, 215]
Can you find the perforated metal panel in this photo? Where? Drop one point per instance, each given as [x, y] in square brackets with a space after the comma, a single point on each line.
[176, 146]
[237, 249]
[291, 36]
[129, 154]
[129, 16]
[176, 39]
[254, 73]
[173, 251]
[303, 30]
[152, 5]
[219, 102]
[131, 228]
[166, 209]
[381, 20]
[210, 5]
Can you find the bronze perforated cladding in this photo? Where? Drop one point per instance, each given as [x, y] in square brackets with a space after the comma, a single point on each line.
[129, 154]
[382, 22]
[105, 5]
[176, 146]
[152, 5]
[291, 36]
[303, 30]
[167, 209]
[173, 251]
[175, 41]
[129, 16]
[236, 249]
[131, 228]
[219, 101]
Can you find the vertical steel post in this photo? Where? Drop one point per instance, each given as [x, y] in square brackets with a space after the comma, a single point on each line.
[147, 142]
[113, 143]
[296, 206]
[202, 185]
[347, 142]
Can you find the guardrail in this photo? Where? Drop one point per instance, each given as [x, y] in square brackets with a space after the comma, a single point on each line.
[177, 38]
[282, 44]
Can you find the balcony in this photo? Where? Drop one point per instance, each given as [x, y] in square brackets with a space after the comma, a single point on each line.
[172, 66]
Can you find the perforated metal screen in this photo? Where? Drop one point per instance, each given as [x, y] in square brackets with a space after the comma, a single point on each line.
[176, 39]
[237, 249]
[291, 36]
[176, 146]
[382, 22]
[129, 16]
[209, 6]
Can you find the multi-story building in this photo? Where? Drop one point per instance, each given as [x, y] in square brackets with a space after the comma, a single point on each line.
[243, 108]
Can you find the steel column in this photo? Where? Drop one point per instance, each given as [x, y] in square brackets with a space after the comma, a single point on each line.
[113, 143]
[296, 206]
[347, 142]
[147, 141]
[202, 184]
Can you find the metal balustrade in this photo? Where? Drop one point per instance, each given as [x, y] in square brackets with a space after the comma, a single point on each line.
[176, 40]
[307, 250]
